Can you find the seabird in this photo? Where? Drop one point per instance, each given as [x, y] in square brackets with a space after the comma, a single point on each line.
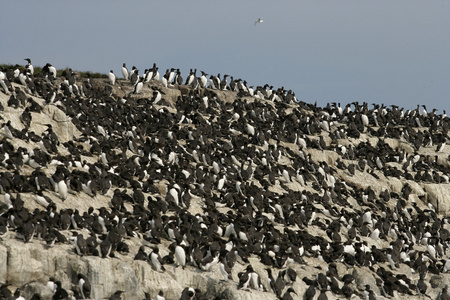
[85, 286]
[49, 70]
[3, 82]
[322, 295]
[139, 85]
[178, 78]
[157, 96]
[160, 295]
[62, 189]
[116, 296]
[111, 77]
[171, 75]
[106, 248]
[125, 71]
[28, 230]
[180, 256]
[189, 79]
[310, 291]
[225, 270]
[210, 261]
[18, 295]
[260, 20]
[80, 245]
[276, 285]
[187, 293]
[203, 80]
[156, 261]
[245, 277]
[29, 66]
[287, 295]
[60, 293]
[51, 285]
[42, 200]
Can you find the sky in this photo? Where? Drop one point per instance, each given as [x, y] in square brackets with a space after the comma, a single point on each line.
[391, 52]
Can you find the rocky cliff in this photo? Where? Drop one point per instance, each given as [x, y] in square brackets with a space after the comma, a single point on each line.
[352, 200]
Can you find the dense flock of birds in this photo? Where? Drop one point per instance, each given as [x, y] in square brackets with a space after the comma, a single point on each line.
[230, 155]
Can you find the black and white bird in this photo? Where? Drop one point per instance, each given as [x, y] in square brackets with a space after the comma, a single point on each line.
[60, 293]
[62, 190]
[112, 77]
[203, 80]
[225, 270]
[80, 245]
[287, 295]
[116, 296]
[155, 260]
[260, 20]
[3, 81]
[125, 71]
[157, 96]
[134, 76]
[245, 278]
[180, 256]
[51, 285]
[139, 85]
[29, 66]
[49, 70]
[187, 294]
[160, 296]
[85, 286]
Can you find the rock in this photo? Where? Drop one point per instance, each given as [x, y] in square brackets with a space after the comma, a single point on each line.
[416, 188]
[40, 289]
[143, 156]
[439, 196]
[64, 127]
[363, 276]
[3, 263]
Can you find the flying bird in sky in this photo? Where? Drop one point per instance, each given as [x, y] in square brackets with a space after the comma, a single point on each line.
[260, 20]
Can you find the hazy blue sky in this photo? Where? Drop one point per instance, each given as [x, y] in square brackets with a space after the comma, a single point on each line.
[392, 52]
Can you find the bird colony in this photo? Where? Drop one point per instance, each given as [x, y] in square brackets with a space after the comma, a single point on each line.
[144, 186]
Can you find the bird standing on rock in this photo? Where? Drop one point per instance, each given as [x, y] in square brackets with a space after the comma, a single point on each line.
[244, 279]
[187, 294]
[155, 260]
[49, 70]
[112, 77]
[85, 286]
[60, 293]
[139, 85]
[134, 76]
[125, 71]
[180, 256]
[80, 245]
[116, 296]
[29, 66]
[287, 295]
[160, 296]
[225, 270]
